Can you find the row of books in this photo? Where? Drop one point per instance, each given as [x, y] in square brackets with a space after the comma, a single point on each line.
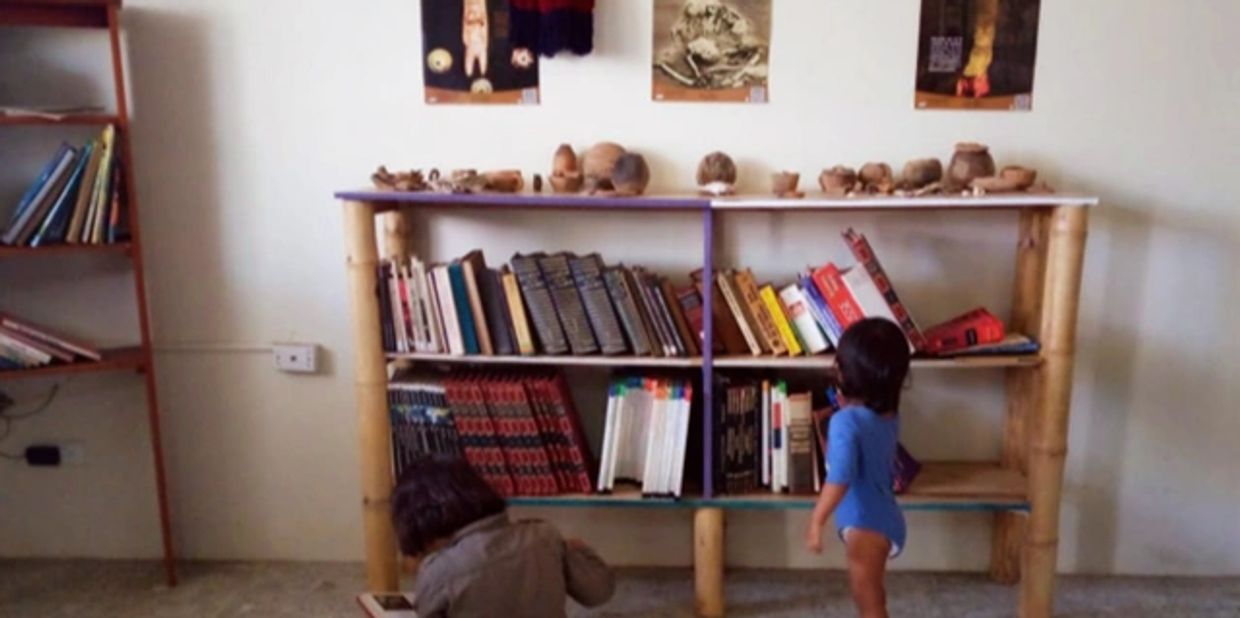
[26, 345]
[520, 431]
[563, 303]
[646, 435]
[541, 304]
[766, 439]
[76, 199]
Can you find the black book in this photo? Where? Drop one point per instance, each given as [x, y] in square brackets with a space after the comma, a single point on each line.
[632, 283]
[588, 275]
[385, 307]
[539, 304]
[495, 306]
[568, 305]
[626, 307]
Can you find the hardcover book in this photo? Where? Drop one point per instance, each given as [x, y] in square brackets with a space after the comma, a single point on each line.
[474, 268]
[861, 250]
[800, 444]
[830, 284]
[776, 310]
[728, 336]
[977, 327]
[626, 307]
[588, 275]
[516, 311]
[568, 304]
[766, 330]
[538, 301]
[726, 285]
[690, 337]
[795, 301]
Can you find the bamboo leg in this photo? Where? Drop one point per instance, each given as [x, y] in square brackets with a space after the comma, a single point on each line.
[1022, 388]
[371, 390]
[708, 561]
[396, 234]
[1049, 443]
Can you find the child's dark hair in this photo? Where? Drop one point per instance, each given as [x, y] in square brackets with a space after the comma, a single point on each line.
[873, 360]
[437, 497]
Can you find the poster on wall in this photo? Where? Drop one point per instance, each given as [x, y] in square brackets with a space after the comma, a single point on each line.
[467, 56]
[711, 50]
[977, 54]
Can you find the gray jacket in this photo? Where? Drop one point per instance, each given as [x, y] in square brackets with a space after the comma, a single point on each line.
[495, 567]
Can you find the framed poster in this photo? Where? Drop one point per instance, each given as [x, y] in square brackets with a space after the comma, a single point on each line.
[467, 56]
[711, 50]
[977, 54]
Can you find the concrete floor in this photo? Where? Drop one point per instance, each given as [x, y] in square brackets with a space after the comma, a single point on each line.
[54, 589]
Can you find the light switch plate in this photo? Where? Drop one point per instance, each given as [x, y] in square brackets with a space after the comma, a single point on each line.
[297, 357]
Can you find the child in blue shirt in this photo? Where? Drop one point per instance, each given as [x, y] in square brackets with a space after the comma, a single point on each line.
[872, 362]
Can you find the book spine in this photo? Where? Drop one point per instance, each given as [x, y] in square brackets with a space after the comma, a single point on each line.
[541, 308]
[54, 223]
[580, 460]
[977, 327]
[47, 336]
[800, 444]
[690, 301]
[869, 261]
[775, 309]
[29, 223]
[766, 329]
[821, 311]
[30, 197]
[732, 298]
[568, 304]
[690, 338]
[841, 302]
[798, 308]
[588, 277]
[649, 320]
[630, 319]
[464, 313]
[74, 234]
[495, 307]
[516, 308]
[728, 337]
[385, 308]
[472, 271]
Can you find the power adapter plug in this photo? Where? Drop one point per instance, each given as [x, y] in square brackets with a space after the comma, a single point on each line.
[43, 456]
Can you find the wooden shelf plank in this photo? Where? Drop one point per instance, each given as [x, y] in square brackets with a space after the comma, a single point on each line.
[567, 361]
[824, 361]
[1014, 201]
[941, 486]
[69, 120]
[118, 359]
[117, 248]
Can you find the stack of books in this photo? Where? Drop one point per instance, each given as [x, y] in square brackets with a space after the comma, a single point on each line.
[26, 345]
[646, 435]
[519, 430]
[75, 200]
[550, 304]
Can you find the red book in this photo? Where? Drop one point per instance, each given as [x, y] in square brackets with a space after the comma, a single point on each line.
[547, 434]
[46, 336]
[865, 257]
[518, 436]
[977, 327]
[477, 434]
[691, 304]
[580, 462]
[830, 283]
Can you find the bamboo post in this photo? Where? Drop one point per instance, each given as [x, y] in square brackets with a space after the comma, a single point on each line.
[708, 561]
[370, 370]
[396, 234]
[1049, 436]
[1022, 387]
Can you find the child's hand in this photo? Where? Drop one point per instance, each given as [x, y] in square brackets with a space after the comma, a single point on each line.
[813, 539]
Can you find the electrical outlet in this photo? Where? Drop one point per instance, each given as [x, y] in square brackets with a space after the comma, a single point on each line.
[297, 357]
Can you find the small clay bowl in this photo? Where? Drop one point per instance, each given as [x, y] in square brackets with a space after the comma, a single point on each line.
[994, 184]
[1022, 177]
[566, 183]
[784, 184]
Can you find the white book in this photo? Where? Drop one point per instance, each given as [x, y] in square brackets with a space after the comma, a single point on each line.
[764, 452]
[607, 457]
[398, 314]
[802, 320]
[640, 424]
[653, 445]
[432, 307]
[417, 330]
[868, 298]
[684, 411]
[29, 354]
[672, 429]
[447, 304]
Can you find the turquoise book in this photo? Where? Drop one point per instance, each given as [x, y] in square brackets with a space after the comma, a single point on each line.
[460, 296]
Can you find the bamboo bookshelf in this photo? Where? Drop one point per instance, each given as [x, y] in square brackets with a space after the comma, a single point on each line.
[99, 15]
[1023, 489]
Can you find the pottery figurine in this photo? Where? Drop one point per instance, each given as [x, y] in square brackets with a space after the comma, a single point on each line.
[565, 173]
[631, 174]
[837, 181]
[1022, 177]
[598, 163]
[504, 181]
[784, 185]
[716, 174]
[921, 173]
[970, 161]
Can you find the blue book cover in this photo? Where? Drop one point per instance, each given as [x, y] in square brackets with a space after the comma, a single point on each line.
[57, 221]
[460, 297]
[31, 197]
[821, 312]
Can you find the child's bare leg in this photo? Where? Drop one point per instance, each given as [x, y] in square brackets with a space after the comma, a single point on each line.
[867, 568]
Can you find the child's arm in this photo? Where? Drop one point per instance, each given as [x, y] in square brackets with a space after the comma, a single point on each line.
[828, 499]
[589, 579]
[842, 458]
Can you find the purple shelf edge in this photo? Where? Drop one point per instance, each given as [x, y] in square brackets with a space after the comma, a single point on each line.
[528, 200]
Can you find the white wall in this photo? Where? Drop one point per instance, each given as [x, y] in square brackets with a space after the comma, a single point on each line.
[248, 115]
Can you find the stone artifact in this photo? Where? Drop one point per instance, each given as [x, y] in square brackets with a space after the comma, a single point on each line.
[837, 181]
[784, 185]
[970, 161]
[631, 174]
[598, 163]
[716, 174]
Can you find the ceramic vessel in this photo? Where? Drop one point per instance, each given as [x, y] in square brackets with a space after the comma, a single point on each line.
[716, 174]
[994, 184]
[837, 181]
[920, 173]
[1022, 177]
[631, 174]
[784, 184]
[970, 161]
[598, 163]
[504, 181]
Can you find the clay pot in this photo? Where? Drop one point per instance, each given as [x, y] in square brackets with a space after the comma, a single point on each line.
[838, 180]
[1022, 177]
[994, 184]
[564, 162]
[598, 163]
[631, 175]
[877, 178]
[784, 184]
[920, 173]
[970, 161]
[504, 181]
[567, 183]
[716, 174]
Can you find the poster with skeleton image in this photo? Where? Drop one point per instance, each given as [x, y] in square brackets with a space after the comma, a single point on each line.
[977, 54]
[711, 50]
[467, 56]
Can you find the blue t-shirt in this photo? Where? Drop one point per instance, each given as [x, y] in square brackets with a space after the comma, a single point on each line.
[861, 452]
